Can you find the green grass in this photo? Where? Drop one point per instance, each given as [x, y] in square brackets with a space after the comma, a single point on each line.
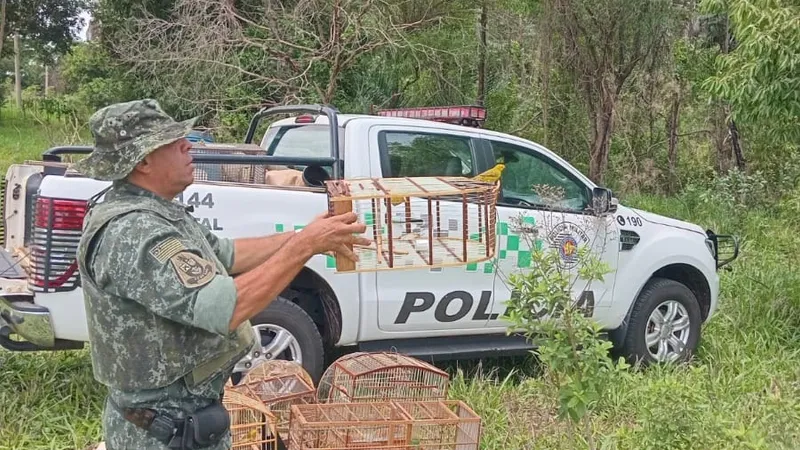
[741, 391]
[24, 136]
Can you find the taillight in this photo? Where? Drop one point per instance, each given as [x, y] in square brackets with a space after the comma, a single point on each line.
[60, 214]
[57, 228]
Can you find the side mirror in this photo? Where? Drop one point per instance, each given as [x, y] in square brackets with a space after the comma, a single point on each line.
[603, 202]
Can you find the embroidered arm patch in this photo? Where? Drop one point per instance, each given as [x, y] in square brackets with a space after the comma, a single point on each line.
[192, 270]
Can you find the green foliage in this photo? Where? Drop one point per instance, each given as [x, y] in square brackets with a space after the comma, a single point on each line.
[759, 76]
[545, 308]
[91, 80]
[50, 26]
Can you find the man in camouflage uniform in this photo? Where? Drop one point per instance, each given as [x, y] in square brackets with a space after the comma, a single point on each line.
[167, 319]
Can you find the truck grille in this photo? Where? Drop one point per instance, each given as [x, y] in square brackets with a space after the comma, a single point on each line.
[57, 229]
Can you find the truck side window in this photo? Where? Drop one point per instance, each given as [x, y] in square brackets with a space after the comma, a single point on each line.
[531, 180]
[415, 154]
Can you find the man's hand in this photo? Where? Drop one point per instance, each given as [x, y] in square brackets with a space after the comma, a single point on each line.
[335, 233]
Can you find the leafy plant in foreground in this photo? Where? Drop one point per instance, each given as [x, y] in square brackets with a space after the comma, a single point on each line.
[546, 306]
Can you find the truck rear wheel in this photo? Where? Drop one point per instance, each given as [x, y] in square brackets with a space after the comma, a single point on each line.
[664, 325]
[286, 332]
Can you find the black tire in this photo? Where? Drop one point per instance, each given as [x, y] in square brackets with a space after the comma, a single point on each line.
[298, 323]
[653, 295]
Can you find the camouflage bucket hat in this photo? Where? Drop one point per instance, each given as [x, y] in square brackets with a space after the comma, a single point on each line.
[124, 133]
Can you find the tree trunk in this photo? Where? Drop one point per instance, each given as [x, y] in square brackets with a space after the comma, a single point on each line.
[17, 72]
[736, 145]
[2, 24]
[672, 136]
[545, 52]
[481, 100]
[720, 134]
[601, 135]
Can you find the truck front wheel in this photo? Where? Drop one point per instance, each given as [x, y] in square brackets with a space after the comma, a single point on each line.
[664, 325]
[285, 332]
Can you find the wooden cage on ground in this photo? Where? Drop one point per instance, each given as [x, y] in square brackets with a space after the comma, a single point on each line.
[252, 425]
[381, 376]
[393, 425]
[440, 425]
[278, 393]
[340, 426]
[418, 222]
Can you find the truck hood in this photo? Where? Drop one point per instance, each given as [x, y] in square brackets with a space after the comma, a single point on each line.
[669, 222]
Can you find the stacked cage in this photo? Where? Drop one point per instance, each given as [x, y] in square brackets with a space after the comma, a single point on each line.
[379, 377]
[252, 425]
[340, 426]
[228, 172]
[382, 400]
[440, 425]
[278, 393]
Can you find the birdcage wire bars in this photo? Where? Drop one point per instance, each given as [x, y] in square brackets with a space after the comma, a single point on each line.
[417, 425]
[252, 425]
[381, 376]
[440, 425]
[417, 221]
[278, 393]
[340, 426]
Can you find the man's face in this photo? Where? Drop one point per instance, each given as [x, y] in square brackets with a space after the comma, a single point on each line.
[171, 166]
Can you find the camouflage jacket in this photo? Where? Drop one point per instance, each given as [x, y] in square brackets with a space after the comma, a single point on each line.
[158, 301]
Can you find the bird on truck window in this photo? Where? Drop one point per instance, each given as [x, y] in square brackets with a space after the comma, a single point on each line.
[492, 175]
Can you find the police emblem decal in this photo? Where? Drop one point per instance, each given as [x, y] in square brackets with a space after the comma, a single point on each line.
[566, 238]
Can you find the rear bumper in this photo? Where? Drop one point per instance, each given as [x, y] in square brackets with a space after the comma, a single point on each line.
[28, 320]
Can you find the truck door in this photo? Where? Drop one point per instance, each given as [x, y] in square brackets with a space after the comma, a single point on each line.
[542, 204]
[420, 300]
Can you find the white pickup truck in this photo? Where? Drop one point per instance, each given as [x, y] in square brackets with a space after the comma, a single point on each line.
[663, 287]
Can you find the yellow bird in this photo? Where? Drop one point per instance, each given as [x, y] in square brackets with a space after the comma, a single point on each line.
[491, 175]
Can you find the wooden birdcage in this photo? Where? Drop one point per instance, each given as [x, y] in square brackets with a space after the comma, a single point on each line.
[381, 376]
[252, 424]
[417, 222]
[277, 368]
[278, 393]
[440, 425]
[340, 426]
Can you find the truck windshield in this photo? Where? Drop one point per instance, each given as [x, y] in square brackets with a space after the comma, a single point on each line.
[299, 140]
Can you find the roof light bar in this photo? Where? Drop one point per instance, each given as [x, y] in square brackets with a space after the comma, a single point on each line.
[464, 115]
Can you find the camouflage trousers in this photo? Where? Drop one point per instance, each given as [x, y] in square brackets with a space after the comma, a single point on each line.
[119, 434]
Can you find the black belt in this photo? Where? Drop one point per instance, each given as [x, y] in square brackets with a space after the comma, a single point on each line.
[200, 429]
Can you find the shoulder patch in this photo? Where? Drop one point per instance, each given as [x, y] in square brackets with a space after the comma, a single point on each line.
[192, 270]
[166, 249]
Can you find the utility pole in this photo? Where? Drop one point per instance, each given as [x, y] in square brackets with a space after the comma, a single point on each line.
[17, 72]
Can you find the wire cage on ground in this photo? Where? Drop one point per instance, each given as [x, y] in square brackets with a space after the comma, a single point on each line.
[440, 425]
[381, 376]
[340, 426]
[252, 424]
[278, 393]
[417, 222]
[277, 368]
